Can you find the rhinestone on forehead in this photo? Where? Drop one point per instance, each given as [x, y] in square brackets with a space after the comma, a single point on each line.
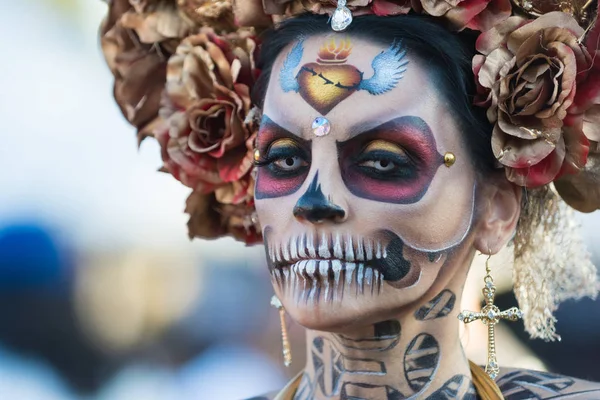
[342, 17]
[321, 126]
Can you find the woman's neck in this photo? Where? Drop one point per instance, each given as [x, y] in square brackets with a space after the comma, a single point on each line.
[416, 355]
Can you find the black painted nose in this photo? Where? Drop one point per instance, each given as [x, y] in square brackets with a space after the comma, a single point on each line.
[313, 206]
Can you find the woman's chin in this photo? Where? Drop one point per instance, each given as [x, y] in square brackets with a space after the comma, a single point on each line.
[325, 316]
[336, 299]
[339, 313]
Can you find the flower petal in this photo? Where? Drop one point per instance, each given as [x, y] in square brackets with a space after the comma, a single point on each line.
[541, 173]
[582, 191]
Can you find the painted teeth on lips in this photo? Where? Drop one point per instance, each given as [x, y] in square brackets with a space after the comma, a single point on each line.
[324, 246]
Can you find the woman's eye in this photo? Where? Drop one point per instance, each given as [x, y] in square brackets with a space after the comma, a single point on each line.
[379, 165]
[285, 158]
[289, 164]
[385, 165]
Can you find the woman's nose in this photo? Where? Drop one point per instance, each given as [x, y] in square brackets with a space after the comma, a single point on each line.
[313, 206]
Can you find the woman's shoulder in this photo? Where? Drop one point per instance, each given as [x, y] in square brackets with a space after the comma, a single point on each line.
[524, 384]
[268, 396]
[518, 384]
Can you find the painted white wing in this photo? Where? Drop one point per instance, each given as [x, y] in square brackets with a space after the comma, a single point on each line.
[287, 79]
[388, 68]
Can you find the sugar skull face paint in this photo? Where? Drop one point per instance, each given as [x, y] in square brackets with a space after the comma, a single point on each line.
[362, 221]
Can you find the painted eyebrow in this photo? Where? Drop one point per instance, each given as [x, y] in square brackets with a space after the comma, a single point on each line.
[266, 123]
[368, 127]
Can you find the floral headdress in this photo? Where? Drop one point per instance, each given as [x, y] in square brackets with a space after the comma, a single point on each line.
[184, 70]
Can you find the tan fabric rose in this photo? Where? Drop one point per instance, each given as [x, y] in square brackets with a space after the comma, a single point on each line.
[218, 14]
[157, 24]
[263, 13]
[139, 70]
[142, 6]
[478, 15]
[250, 13]
[473, 14]
[205, 139]
[211, 219]
[529, 71]
[582, 191]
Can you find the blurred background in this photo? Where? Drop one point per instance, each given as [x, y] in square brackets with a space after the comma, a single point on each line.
[102, 295]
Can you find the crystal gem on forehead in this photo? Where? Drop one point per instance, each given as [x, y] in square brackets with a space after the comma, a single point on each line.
[342, 17]
[321, 126]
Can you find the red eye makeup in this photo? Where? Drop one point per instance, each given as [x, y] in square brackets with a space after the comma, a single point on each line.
[393, 163]
[283, 163]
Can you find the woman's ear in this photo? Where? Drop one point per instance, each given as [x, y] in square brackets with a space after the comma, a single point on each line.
[500, 211]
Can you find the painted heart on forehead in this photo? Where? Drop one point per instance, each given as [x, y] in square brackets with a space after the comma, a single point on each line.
[330, 80]
[324, 86]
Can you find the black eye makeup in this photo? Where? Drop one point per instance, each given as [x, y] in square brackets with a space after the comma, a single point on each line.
[384, 160]
[285, 158]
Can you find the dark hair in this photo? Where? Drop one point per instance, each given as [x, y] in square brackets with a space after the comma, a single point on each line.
[448, 56]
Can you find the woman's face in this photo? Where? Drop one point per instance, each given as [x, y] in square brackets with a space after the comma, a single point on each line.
[359, 210]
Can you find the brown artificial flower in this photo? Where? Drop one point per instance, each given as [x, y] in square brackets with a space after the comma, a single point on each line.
[527, 76]
[473, 14]
[479, 15]
[139, 70]
[586, 104]
[142, 6]
[262, 13]
[581, 190]
[204, 221]
[209, 219]
[218, 14]
[358, 7]
[205, 139]
[250, 13]
[159, 23]
[241, 222]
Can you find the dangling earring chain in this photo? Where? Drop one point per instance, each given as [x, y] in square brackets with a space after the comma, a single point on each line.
[287, 352]
[490, 315]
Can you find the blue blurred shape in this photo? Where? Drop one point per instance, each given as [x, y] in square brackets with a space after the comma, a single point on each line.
[30, 258]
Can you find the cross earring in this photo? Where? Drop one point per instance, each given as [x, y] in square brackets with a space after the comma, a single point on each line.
[490, 315]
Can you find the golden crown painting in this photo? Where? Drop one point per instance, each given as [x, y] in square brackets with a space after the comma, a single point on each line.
[375, 149]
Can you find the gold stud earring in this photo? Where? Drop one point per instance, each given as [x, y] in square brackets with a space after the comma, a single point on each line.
[449, 159]
[287, 352]
[490, 315]
[256, 155]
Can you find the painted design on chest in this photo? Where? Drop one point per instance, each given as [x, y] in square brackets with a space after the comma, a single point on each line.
[330, 79]
[523, 384]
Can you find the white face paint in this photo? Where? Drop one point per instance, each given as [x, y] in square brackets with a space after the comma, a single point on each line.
[359, 222]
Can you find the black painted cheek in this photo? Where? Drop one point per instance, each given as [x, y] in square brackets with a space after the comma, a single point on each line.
[394, 267]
